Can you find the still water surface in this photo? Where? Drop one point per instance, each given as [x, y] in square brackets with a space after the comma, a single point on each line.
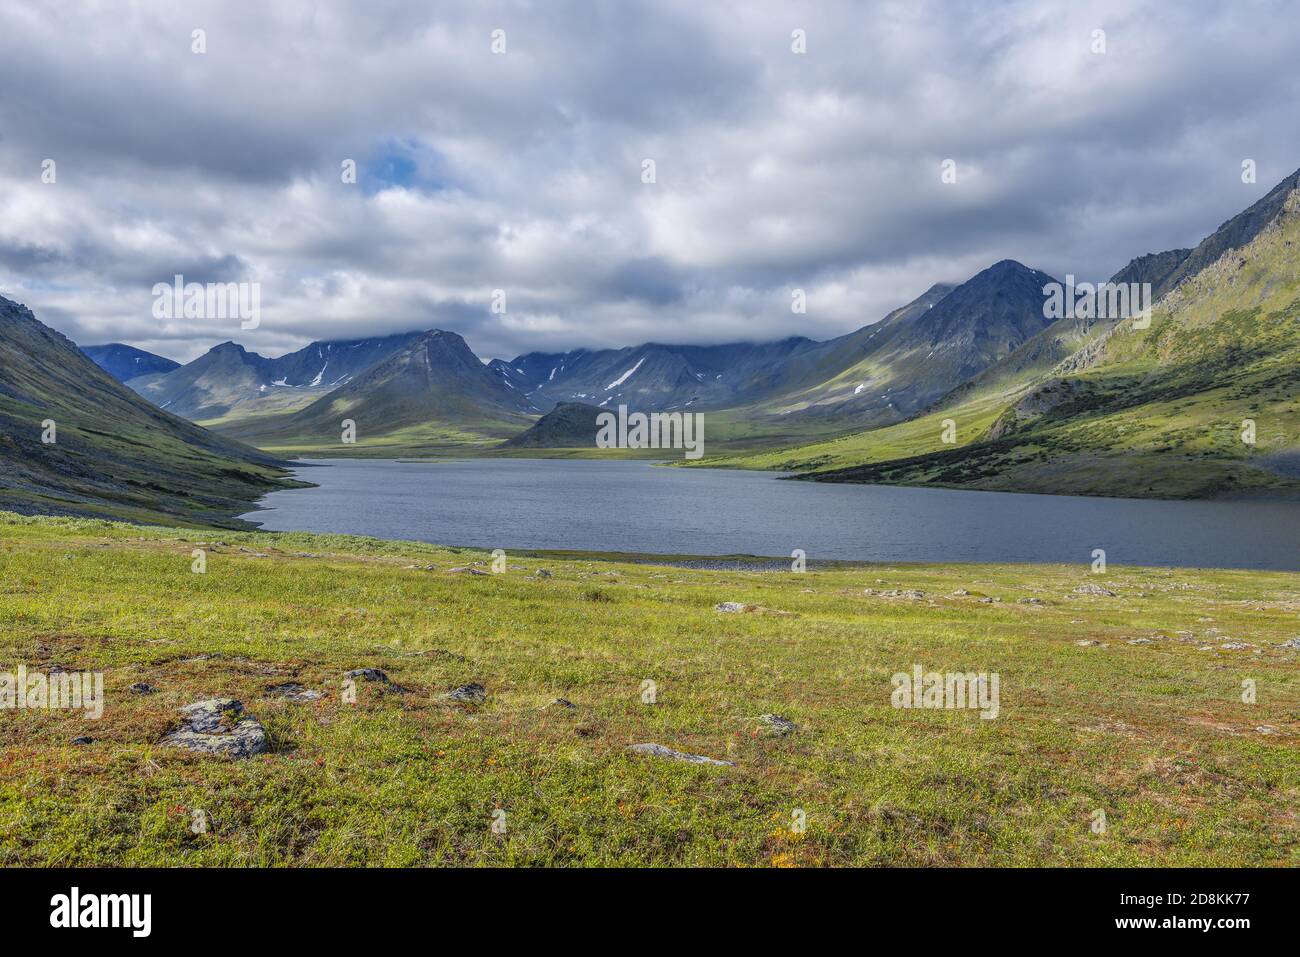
[634, 506]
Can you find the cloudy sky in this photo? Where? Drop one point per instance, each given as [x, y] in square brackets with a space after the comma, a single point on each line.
[522, 170]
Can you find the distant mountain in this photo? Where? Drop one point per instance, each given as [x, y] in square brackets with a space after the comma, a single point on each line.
[229, 382]
[655, 377]
[113, 454]
[125, 362]
[432, 393]
[570, 425]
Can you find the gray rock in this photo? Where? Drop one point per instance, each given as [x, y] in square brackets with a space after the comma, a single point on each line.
[778, 725]
[961, 593]
[368, 674]
[293, 691]
[1290, 643]
[1091, 589]
[83, 739]
[141, 687]
[465, 570]
[910, 593]
[219, 726]
[1030, 601]
[1139, 641]
[470, 692]
[730, 607]
[541, 573]
[1087, 643]
[659, 751]
[564, 703]
[1234, 646]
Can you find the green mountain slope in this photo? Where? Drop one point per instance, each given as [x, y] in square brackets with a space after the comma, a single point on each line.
[113, 453]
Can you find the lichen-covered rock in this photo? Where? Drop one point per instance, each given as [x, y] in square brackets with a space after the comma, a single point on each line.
[731, 607]
[778, 725]
[1091, 589]
[659, 751]
[470, 692]
[219, 726]
[293, 691]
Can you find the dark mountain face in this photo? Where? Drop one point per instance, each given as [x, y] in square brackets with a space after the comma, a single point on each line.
[570, 425]
[112, 454]
[1156, 268]
[433, 383]
[125, 362]
[922, 352]
[229, 379]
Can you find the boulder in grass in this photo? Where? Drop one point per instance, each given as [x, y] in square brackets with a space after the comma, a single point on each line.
[777, 725]
[375, 675]
[465, 570]
[292, 691]
[368, 674]
[731, 607]
[219, 726]
[1091, 589]
[141, 687]
[471, 692]
[659, 751]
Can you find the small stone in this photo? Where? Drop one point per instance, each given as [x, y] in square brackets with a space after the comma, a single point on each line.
[1266, 729]
[465, 570]
[541, 573]
[1290, 643]
[470, 692]
[659, 751]
[960, 593]
[731, 607]
[84, 739]
[778, 725]
[1139, 641]
[141, 687]
[219, 726]
[294, 692]
[564, 703]
[1087, 643]
[1030, 601]
[1234, 646]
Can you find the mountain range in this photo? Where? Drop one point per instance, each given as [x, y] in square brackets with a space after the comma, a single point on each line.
[972, 385]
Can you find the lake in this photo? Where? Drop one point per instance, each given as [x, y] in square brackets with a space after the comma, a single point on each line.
[635, 506]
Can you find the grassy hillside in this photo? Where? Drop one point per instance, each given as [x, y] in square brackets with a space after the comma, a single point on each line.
[1154, 734]
[113, 453]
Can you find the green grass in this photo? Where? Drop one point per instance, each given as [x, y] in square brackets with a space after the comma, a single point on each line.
[1156, 735]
